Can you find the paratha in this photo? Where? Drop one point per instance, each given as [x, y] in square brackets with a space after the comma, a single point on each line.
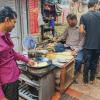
[40, 64]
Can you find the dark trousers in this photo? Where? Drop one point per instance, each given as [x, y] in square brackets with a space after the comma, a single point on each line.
[91, 57]
[11, 91]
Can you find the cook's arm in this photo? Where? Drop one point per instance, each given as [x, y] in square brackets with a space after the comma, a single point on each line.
[23, 58]
[64, 36]
[19, 56]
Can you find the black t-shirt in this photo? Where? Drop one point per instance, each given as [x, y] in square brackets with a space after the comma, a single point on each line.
[91, 22]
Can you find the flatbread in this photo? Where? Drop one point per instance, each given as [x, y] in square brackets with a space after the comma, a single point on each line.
[40, 64]
[69, 57]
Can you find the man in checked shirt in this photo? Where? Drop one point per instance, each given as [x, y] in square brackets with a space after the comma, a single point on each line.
[73, 41]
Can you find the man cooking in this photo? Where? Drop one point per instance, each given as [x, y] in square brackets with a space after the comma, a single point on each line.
[9, 71]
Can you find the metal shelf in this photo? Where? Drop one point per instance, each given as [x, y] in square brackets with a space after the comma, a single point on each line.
[25, 93]
[34, 89]
[28, 81]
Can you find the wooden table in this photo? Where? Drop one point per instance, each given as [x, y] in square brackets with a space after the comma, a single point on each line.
[66, 75]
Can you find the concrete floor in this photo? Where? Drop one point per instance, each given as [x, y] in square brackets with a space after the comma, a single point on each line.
[81, 91]
[85, 92]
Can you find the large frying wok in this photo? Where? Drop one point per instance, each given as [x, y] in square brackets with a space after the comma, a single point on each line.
[40, 69]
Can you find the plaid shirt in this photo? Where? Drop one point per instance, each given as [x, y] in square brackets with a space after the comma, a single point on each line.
[73, 38]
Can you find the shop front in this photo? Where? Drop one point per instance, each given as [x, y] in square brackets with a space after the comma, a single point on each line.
[21, 26]
[26, 19]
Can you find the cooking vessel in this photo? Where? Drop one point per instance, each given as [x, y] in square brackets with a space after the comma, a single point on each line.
[41, 61]
[39, 70]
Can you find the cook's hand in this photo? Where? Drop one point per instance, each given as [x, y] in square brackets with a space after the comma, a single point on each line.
[57, 40]
[74, 53]
[31, 62]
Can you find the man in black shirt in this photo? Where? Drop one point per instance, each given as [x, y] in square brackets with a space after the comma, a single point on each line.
[90, 26]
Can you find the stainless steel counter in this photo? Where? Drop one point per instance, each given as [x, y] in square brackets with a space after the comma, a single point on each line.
[43, 84]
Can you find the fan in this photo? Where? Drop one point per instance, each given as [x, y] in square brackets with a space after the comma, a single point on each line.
[29, 43]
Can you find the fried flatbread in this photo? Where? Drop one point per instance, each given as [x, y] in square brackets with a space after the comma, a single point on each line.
[40, 64]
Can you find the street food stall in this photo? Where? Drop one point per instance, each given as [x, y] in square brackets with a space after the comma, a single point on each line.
[52, 72]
